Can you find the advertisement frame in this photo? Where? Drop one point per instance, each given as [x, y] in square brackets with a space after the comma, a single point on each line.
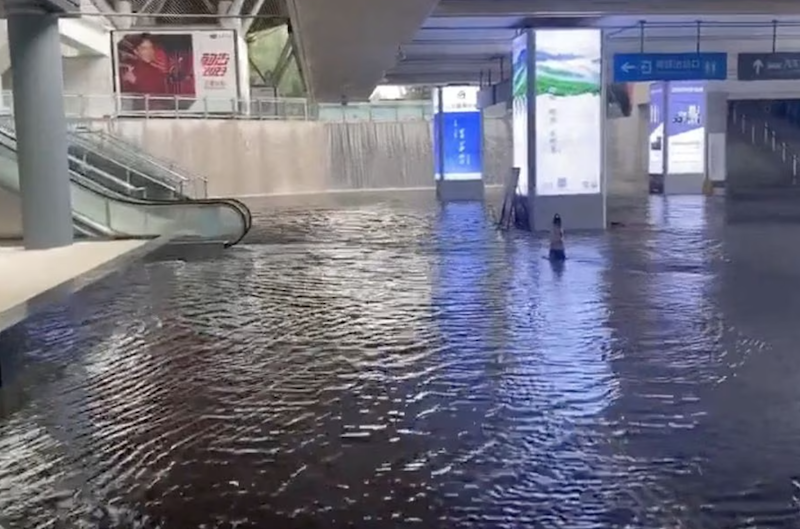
[521, 111]
[115, 62]
[571, 87]
[447, 112]
[695, 94]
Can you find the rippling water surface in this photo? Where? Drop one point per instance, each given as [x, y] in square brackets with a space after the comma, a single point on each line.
[383, 363]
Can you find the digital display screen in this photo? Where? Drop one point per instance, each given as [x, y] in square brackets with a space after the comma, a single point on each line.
[569, 109]
[519, 61]
[655, 151]
[686, 130]
[458, 134]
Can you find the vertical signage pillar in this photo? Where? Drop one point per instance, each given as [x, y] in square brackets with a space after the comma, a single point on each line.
[716, 137]
[685, 138]
[566, 127]
[459, 149]
[524, 134]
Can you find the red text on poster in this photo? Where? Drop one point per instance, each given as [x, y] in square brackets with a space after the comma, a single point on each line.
[215, 64]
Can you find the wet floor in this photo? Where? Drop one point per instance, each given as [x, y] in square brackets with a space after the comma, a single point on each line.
[383, 362]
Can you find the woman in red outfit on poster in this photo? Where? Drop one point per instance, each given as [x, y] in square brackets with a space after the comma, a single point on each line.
[146, 69]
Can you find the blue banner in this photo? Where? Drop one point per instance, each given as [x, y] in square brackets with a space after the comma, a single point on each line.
[458, 134]
[640, 67]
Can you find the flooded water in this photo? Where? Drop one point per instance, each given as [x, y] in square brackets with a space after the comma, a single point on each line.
[388, 363]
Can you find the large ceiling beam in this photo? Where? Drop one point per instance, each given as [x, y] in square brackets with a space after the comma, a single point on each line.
[455, 48]
[487, 8]
[429, 79]
[445, 67]
[346, 46]
[460, 34]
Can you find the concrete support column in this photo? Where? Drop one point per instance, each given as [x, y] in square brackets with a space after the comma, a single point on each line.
[716, 115]
[38, 84]
[124, 7]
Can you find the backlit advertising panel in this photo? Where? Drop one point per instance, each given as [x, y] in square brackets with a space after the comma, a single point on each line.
[519, 61]
[569, 111]
[458, 135]
[655, 151]
[176, 71]
[686, 131]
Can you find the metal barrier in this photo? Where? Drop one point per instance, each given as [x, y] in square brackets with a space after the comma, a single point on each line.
[101, 106]
[761, 134]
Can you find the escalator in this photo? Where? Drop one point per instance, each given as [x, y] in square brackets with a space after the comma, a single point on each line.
[180, 182]
[101, 208]
[134, 173]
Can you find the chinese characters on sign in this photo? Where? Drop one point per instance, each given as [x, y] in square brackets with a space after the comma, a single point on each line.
[460, 137]
[215, 64]
[553, 119]
[215, 67]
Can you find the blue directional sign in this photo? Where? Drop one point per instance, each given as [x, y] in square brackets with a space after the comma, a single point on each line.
[637, 67]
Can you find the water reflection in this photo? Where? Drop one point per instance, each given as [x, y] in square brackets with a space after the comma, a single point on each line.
[382, 363]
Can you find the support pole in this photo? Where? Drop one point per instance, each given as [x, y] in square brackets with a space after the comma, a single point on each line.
[38, 84]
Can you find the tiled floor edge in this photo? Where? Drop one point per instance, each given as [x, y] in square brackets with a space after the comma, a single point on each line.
[60, 292]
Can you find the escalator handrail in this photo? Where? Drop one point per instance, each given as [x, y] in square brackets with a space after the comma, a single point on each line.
[6, 137]
[134, 150]
[172, 186]
[10, 134]
[240, 208]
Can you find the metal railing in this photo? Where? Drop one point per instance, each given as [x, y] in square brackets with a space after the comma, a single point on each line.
[105, 106]
[125, 179]
[166, 171]
[760, 134]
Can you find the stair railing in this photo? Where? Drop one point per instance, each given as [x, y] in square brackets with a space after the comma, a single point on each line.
[761, 134]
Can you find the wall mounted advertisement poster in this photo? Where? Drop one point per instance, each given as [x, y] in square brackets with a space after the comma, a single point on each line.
[655, 151]
[519, 59]
[176, 71]
[459, 125]
[569, 109]
[686, 132]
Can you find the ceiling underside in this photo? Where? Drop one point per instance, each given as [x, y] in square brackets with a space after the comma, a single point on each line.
[468, 41]
[256, 14]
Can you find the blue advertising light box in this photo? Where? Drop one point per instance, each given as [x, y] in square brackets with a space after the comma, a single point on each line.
[458, 134]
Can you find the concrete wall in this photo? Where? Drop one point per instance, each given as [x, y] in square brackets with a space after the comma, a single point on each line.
[250, 158]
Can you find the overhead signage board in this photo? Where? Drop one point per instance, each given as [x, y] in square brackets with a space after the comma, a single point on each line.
[644, 67]
[768, 66]
[459, 134]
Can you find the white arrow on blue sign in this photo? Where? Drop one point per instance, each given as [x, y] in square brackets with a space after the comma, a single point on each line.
[636, 67]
